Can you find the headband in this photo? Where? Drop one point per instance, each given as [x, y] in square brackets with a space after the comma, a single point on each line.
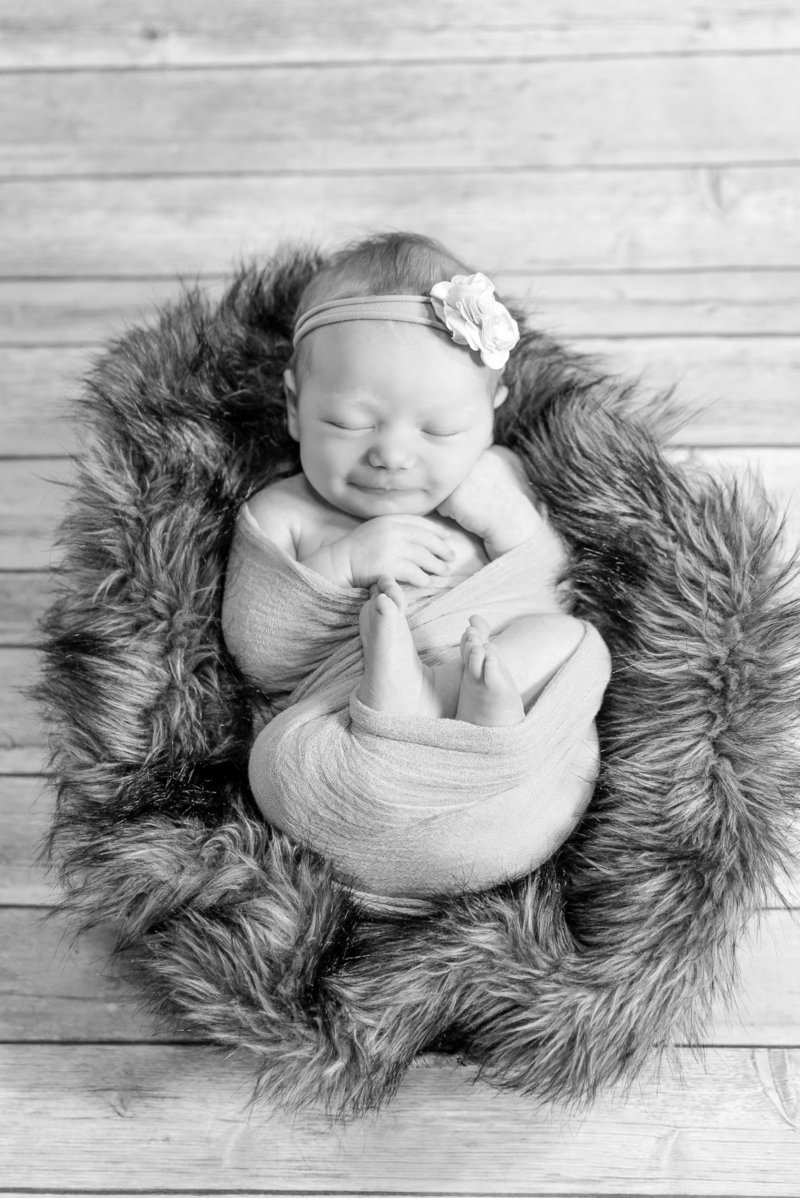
[412, 309]
[466, 308]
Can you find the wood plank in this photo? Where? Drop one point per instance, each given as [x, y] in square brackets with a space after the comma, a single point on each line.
[659, 111]
[684, 303]
[768, 1008]
[751, 386]
[194, 32]
[748, 390]
[26, 806]
[175, 1116]
[22, 738]
[52, 989]
[32, 496]
[24, 596]
[53, 312]
[32, 501]
[66, 312]
[704, 218]
[39, 391]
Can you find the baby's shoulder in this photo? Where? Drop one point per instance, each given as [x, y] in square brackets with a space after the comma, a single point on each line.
[278, 510]
[282, 495]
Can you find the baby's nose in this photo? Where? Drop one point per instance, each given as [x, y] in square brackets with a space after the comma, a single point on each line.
[391, 453]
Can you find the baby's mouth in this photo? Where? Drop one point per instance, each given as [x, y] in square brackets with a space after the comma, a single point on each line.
[383, 487]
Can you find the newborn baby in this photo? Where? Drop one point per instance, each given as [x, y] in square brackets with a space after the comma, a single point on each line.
[401, 484]
[402, 495]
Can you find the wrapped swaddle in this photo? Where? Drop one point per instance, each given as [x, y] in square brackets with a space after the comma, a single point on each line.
[407, 807]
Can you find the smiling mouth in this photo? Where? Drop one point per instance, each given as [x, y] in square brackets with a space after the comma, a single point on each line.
[383, 490]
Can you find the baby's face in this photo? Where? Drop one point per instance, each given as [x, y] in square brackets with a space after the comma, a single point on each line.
[390, 417]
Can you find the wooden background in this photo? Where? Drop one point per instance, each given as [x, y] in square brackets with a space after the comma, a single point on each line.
[631, 167]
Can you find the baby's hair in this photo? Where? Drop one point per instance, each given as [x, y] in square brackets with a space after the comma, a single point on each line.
[384, 264]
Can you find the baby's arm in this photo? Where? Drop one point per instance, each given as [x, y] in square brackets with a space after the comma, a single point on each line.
[406, 548]
[495, 502]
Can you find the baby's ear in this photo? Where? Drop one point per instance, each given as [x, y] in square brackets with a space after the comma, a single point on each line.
[290, 393]
[500, 396]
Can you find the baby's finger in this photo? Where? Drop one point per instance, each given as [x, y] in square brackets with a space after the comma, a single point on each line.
[429, 561]
[415, 575]
[441, 546]
[387, 585]
[428, 530]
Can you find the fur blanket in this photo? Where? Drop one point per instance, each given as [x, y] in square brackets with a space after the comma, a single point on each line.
[562, 982]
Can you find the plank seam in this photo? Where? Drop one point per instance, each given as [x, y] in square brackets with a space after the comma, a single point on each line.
[466, 169]
[350, 64]
[60, 1192]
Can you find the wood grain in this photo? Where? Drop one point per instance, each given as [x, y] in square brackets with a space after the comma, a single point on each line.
[730, 303]
[746, 392]
[698, 218]
[24, 597]
[54, 989]
[26, 806]
[194, 32]
[40, 386]
[89, 312]
[747, 389]
[700, 303]
[33, 496]
[697, 111]
[22, 737]
[175, 1116]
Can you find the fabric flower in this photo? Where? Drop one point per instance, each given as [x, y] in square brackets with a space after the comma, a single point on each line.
[475, 317]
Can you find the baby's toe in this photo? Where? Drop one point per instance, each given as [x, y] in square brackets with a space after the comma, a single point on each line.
[495, 676]
[481, 627]
[469, 642]
[476, 660]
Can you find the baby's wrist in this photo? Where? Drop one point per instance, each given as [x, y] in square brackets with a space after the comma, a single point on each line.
[516, 523]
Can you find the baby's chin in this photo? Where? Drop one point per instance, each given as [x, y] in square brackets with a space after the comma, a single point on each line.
[368, 503]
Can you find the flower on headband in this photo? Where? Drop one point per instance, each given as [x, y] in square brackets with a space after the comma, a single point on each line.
[475, 317]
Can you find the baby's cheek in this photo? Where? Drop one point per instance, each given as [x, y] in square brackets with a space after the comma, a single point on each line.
[469, 458]
[448, 485]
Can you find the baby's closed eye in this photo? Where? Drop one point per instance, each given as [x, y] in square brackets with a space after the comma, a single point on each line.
[350, 428]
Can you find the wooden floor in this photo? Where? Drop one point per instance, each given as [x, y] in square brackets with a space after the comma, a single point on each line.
[630, 166]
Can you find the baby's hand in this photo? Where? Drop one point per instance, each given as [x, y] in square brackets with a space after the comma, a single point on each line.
[495, 502]
[407, 548]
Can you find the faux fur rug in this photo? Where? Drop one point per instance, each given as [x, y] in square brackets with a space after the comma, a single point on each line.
[564, 982]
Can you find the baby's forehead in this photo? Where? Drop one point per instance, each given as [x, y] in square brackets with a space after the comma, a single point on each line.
[405, 362]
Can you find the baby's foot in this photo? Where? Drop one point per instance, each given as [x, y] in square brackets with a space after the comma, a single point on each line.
[488, 695]
[395, 680]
